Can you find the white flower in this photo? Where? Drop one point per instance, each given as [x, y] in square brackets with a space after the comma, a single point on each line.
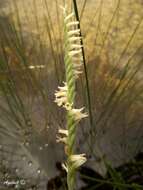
[74, 52]
[60, 101]
[63, 132]
[77, 160]
[73, 23]
[74, 32]
[77, 46]
[75, 38]
[77, 114]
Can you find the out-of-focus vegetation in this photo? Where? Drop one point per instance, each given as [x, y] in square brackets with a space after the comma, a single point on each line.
[31, 67]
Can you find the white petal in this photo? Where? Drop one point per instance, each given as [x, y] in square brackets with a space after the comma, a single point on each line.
[72, 32]
[75, 38]
[65, 88]
[76, 46]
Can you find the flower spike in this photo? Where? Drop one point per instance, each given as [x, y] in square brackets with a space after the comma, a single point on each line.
[65, 96]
